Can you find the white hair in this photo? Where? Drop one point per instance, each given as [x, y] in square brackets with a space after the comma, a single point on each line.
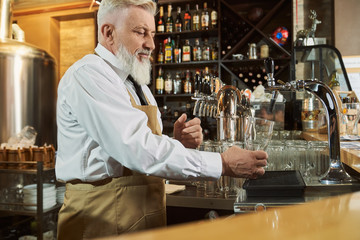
[108, 7]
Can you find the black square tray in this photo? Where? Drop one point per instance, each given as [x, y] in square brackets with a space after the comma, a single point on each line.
[276, 184]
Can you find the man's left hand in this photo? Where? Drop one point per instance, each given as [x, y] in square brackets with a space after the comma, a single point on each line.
[188, 133]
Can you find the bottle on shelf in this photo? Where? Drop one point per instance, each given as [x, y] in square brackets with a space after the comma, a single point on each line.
[168, 84]
[187, 83]
[161, 21]
[178, 21]
[196, 19]
[214, 16]
[177, 84]
[177, 50]
[160, 57]
[197, 84]
[206, 82]
[169, 20]
[206, 50]
[197, 55]
[186, 51]
[215, 51]
[168, 51]
[159, 85]
[205, 18]
[187, 18]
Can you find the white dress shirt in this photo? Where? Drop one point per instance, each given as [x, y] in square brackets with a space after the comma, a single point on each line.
[99, 131]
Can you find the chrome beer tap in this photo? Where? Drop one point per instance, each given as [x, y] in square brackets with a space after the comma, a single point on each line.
[336, 173]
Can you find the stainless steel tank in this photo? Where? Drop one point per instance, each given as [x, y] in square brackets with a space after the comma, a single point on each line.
[27, 85]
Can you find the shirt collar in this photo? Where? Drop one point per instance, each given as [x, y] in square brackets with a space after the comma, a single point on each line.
[114, 62]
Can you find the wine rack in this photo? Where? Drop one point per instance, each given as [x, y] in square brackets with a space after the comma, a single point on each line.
[238, 25]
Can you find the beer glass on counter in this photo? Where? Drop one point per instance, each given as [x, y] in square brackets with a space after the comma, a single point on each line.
[258, 133]
[351, 113]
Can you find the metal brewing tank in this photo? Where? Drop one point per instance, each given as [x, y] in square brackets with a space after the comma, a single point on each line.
[27, 85]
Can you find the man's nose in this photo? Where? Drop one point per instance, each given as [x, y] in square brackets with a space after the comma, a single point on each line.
[149, 43]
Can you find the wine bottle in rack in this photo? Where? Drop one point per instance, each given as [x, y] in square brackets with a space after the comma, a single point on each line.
[169, 20]
[161, 21]
[177, 84]
[206, 50]
[168, 84]
[197, 83]
[178, 21]
[177, 50]
[196, 18]
[159, 85]
[205, 18]
[214, 51]
[168, 51]
[197, 55]
[160, 57]
[187, 83]
[214, 16]
[186, 51]
[187, 18]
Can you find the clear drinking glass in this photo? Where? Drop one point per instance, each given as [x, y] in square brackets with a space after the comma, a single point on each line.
[351, 113]
[211, 188]
[296, 155]
[258, 133]
[318, 162]
[275, 150]
[230, 186]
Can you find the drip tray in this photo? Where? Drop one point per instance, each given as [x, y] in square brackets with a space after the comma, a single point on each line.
[276, 184]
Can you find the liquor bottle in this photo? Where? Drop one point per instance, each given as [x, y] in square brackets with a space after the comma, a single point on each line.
[215, 51]
[169, 20]
[197, 84]
[161, 21]
[206, 50]
[197, 51]
[196, 18]
[160, 58]
[186, 51]
[168, 84]
[214, 17]
[205, 18]
[187, 83]
[168, 51]
[177, 50]
[159, 85]
[177, 84]
[178, 21]
[187, 18]
[206, 82]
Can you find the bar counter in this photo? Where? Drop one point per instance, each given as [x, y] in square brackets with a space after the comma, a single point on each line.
[336, 217]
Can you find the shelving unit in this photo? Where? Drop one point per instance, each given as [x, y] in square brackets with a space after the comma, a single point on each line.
[17, 208]
[234, 31]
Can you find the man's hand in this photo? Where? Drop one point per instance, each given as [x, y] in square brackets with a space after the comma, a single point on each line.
[188, 133]
[243, 163]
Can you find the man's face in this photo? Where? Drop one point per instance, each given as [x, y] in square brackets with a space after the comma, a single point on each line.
[136, 33]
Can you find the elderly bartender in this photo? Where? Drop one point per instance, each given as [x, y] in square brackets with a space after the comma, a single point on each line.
[111, 153]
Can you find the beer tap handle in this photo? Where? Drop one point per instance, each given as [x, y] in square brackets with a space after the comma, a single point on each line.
[269, 68]
[195, 107]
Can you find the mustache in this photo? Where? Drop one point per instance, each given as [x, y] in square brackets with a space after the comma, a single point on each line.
[143, 51]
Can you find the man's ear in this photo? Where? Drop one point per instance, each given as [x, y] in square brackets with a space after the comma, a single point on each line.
[107, 31]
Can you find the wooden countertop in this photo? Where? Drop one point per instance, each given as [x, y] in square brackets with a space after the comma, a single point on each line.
[330, 218]
[350, 157]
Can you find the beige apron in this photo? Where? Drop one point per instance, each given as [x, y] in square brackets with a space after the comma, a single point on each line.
[115, 205]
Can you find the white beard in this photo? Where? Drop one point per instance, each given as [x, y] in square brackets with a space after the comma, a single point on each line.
[140, 71]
